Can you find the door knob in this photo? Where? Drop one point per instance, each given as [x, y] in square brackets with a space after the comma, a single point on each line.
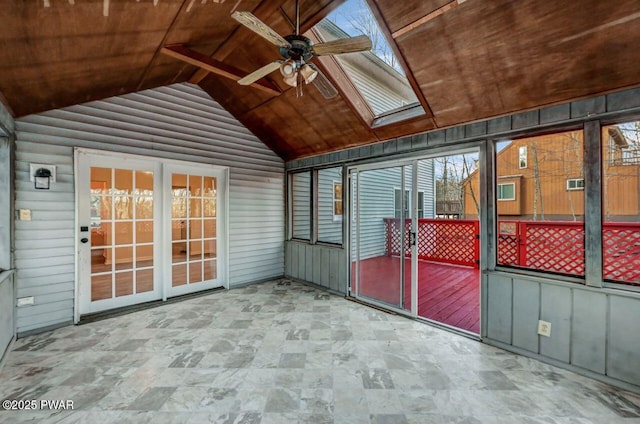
[84, 239]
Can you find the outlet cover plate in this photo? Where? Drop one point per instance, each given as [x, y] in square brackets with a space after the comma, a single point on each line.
[544, 328]
[24, 301]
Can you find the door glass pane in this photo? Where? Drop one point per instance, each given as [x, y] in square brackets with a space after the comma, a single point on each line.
[448, 244]
[101, 287]
[117, 251]
[144, 280]
[124, 283]
[209, 228]
[124, 181]
[179, 275]
[209, 270]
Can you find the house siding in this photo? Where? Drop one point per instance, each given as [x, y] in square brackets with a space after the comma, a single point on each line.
[177, 122]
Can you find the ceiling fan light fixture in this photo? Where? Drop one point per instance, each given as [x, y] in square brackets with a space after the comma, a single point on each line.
[288, 69]
[308, 73]
[291, 80]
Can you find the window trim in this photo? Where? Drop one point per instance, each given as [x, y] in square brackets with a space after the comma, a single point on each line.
[340, 217]
[522, 157]
[408, 197]
[576, 180]
[513, 184]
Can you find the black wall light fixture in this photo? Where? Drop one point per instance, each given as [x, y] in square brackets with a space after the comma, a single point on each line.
[42, 179]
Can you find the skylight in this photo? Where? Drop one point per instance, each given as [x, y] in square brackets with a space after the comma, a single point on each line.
[377, 74]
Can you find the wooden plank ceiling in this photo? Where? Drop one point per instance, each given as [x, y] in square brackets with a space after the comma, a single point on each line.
[468, 60]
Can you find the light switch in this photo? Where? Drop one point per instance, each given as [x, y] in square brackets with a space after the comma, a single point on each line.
[25, 214]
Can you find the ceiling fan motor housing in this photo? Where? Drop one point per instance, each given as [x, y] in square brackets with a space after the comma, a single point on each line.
[300, 49]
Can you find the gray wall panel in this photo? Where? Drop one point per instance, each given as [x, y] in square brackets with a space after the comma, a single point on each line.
[589, 331]
[623, 354]
[526, 309]
[325, 266]
[176, 122]
[555, 307]
[499, 319]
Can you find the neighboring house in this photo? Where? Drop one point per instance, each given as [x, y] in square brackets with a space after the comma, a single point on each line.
[541, 178]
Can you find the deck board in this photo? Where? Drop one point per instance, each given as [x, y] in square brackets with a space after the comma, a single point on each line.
[449, 294]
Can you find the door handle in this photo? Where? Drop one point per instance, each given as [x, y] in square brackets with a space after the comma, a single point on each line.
[84, 240]
[412, 238]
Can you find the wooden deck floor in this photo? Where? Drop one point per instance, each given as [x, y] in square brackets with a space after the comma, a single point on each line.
[449, 294]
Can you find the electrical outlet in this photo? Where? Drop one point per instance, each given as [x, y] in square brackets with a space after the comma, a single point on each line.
[25, 214]
[24, 301]
[544, 328]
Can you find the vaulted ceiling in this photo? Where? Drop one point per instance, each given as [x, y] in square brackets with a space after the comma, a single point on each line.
[467, 60]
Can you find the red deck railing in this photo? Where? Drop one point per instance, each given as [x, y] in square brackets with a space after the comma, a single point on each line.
[439, 240]
[541, 245]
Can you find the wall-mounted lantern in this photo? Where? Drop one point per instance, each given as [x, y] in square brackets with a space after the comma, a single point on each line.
[42, 179]
[42, 175]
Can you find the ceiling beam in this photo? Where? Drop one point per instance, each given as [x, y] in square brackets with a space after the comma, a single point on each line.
[418, 23]
[213, 66]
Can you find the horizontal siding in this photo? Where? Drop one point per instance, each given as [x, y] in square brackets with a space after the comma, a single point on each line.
[177, 122]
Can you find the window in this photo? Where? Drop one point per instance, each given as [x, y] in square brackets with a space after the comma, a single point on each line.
[330, 208]
[575, 184]
[507, 191]
[407, 204]
[376, 74]
[301, 205]
[522, 157]
[620, 203]
[337, 201]
[542, 223]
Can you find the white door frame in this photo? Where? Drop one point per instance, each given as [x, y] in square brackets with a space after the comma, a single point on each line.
[83, 160]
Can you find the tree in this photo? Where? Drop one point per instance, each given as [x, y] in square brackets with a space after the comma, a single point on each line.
[363, 21]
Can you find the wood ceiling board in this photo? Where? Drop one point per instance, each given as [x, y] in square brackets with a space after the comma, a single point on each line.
[399, 14]
[485, 59]
[235, 98]
[311, 124]
[76, 54]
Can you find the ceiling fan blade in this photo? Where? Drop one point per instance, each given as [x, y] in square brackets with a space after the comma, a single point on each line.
[343, 45]
[322, 83]
[259, 73]
[256, 25]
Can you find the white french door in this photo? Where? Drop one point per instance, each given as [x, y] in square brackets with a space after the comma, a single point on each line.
[193, 211]
[148, 229]
[119, 217]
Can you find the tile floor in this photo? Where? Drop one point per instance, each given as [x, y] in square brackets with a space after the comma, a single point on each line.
[283, 352]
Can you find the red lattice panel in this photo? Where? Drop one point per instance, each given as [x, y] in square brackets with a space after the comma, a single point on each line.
[438, 240]
[555, 248]
[448, 241]
[508, 249]
[621, 253]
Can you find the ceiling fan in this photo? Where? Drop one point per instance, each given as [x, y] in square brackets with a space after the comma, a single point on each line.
[296, 51]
